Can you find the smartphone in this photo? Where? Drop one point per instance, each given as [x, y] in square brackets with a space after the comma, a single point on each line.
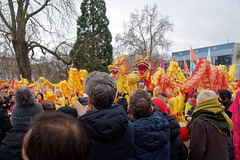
[83, 100]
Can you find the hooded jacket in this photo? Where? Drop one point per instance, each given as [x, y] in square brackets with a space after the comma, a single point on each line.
[151, 137]
[11, 147]
[5, 124]
[111, 133]
[227, 105]
[178, 149]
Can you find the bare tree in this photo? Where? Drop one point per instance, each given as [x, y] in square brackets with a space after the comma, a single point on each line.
[50, 68]
[145, 32]
[27, 24]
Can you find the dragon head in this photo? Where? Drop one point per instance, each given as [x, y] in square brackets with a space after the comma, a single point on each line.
[118, 68]
[143, 66]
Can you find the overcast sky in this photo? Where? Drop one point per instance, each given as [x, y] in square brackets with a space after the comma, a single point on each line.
[196, 23]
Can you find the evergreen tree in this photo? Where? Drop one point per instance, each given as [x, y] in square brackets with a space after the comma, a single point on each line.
[93, 44]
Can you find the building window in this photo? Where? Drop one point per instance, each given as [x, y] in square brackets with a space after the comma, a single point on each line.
[224, 60]
[214, 48]
[195, 51]
[180, 54]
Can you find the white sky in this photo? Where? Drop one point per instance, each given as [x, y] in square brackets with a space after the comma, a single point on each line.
[196, 23]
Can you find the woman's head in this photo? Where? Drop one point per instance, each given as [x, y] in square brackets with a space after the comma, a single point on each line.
[40, 96]
[205, 95]
[56, 136]
[13, 99]
[11, 92]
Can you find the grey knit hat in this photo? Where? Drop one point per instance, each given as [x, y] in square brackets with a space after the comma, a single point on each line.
[25, 108]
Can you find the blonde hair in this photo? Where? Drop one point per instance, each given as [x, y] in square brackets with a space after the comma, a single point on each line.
[205, 95]
[9, 91]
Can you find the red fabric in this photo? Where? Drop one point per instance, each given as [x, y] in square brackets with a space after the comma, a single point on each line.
[41, 101]
[11, 107]
[193, 102]
[235, 109]
[160, 104]
[169, 111]
[184, 134]
[187, 96]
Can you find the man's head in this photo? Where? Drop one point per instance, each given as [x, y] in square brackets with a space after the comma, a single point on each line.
[59, 93]
[175, 91]
[140, 104]
[101, 89]
[168, 92]
[225, 95]
[163, 96]
[3, 92]
[48, 106]
[216, 90]
[56, 136]
[72, 92]
[194, 97]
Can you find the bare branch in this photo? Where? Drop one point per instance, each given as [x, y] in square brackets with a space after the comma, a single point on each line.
[38, 10]
[5, 21]
[4, 31]
[10, 3]
[26, 7]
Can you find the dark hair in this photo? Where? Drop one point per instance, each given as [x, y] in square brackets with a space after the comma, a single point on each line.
[57, 136]
[40, 95]
[68, 110]
[195, 96]
[163, 94]
[225, 94]
[48, 106]
[151, 92]
[123, 102]
[24, 97]
[140, 104]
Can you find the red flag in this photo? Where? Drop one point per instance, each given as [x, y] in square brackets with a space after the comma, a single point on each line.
[174, 60]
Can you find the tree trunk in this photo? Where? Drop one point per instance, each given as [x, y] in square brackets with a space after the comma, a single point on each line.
[22, 59]
[20, 44]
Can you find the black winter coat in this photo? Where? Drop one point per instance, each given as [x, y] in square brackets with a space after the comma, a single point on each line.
[178, 149]
[11, 147]
[227, 105]
[111, 133]
[151, 137]
[5, 124]
[190, 111]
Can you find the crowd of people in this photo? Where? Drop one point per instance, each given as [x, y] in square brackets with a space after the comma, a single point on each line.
[142, 128]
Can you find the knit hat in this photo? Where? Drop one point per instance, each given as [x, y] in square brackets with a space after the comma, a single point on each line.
[160, 104]
[23, 114]
[25, 108]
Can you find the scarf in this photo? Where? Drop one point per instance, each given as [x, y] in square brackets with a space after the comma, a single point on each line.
[213, 112]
